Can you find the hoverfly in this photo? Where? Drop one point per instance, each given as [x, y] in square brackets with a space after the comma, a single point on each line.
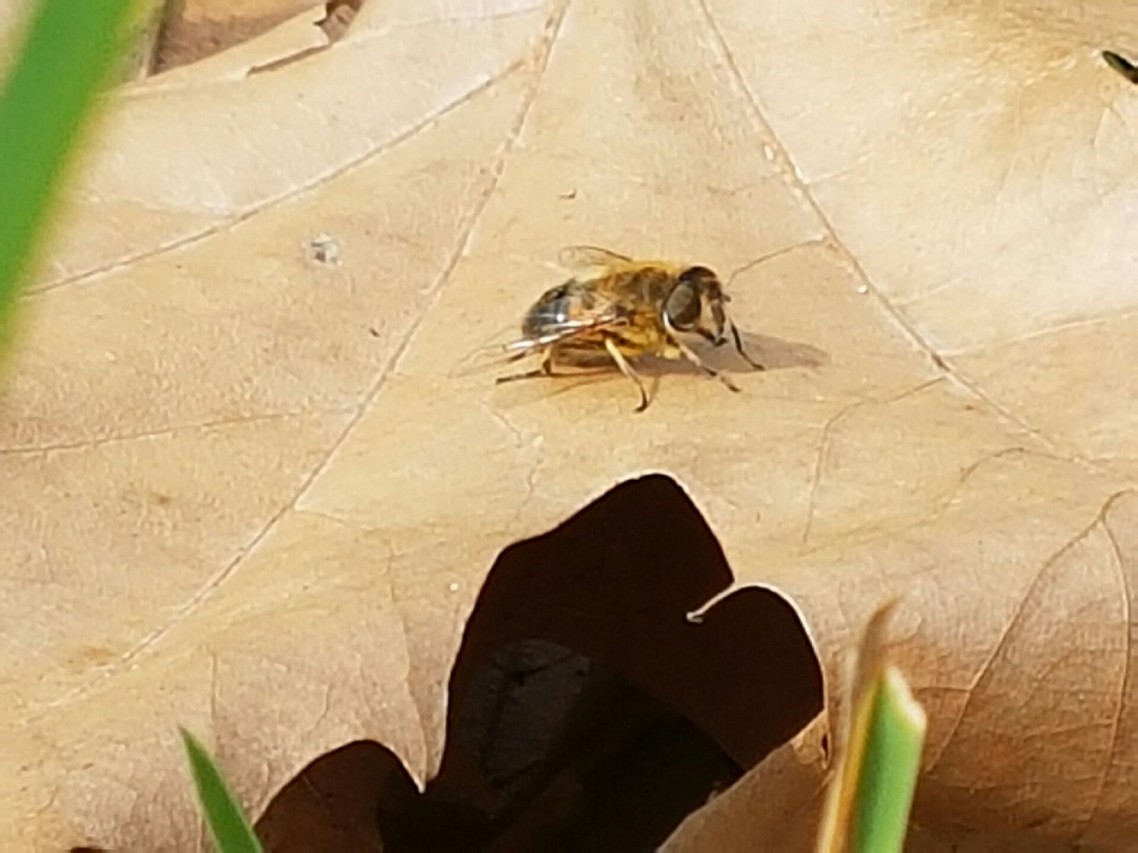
[615, 308]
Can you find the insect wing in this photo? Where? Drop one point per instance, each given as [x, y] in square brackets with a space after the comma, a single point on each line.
[497, 355]
[590, 259]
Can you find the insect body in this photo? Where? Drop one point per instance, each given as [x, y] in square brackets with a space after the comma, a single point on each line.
[615, 308]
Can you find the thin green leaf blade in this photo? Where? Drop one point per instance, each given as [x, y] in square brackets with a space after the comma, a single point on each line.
[227, 823]
[879, 752]
[51, 93]
[892, 760]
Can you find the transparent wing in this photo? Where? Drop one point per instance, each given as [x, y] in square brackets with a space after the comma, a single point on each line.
[494, 356]
[590, 258]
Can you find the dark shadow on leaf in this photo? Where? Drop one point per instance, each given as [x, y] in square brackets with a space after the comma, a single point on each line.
[580, 666]
[772, 353]
[586, 710]
[331, 804]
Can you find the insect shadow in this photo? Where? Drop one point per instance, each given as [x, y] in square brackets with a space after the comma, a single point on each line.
[771, 352]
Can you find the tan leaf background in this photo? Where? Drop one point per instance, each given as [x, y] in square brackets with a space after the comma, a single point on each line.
[243, 494]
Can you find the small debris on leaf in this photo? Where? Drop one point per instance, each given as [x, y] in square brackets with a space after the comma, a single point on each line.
[325, 250]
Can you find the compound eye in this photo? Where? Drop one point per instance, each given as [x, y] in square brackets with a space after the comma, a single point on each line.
[683, 306]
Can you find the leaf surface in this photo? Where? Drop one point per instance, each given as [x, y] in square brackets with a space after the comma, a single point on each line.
[244, 495]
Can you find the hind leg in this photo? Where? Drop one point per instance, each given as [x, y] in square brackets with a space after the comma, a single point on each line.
[545, 370]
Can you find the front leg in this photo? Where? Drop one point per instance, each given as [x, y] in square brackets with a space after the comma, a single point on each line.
[688, 353]
[739, 349]
[709, 336]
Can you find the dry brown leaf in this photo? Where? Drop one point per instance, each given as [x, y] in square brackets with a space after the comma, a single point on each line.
[242, 494]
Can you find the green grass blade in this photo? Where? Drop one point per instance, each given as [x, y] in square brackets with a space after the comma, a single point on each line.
[892, 760]
[227, 823]
[70, 51]
[881, 737]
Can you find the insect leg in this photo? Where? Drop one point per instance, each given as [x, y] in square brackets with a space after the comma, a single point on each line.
[739, 348]
[514, 377]
[627, 370]
[690, 355]
[710, 336]
[546, 369]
